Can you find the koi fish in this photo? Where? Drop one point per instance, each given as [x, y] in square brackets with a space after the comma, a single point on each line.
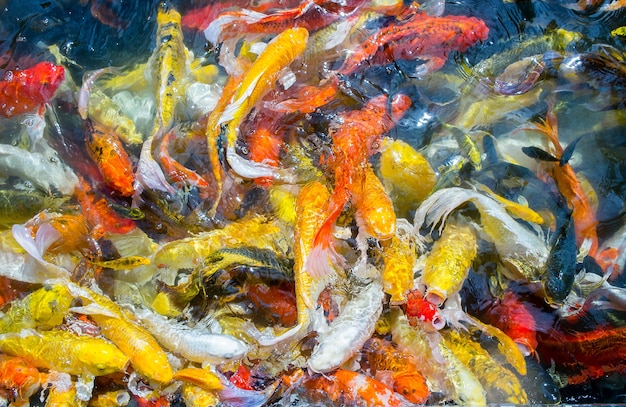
[523, 252]
[345, 387]
[277, 303]
[399, 255]
[508, 312]
[194, 344]
[105, 111]
[444, 372]
[18, 376]
[260, 78]
[143, 351]
[18, 206]
[200, 18]
[374, 210]
[241, 378]
[169, 65]
[202, 378]
[63, 391]
[123, 263]
[65, 352]
[194, 396]
[106, 150]
[44, 308]
[309, 213]
[407, 380]
[213, 132]
[354, 139]
[449, 261]
[501, 385]
[420, 36]
[310, 15]
[22, 91]
[417, 308]
[265, 140]
[558, 279]
[177, 172]
[406, 173]
[349, 331]
[99, 214]
[583, 213]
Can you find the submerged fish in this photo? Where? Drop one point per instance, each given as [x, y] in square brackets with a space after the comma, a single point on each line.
[24, 90]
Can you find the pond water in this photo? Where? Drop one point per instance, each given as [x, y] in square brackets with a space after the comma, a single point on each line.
[352, 202]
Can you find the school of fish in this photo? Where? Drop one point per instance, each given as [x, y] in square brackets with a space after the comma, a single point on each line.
[324, 203]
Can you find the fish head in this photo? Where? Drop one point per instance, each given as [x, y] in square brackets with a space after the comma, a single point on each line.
[49, 76]
[474, 30]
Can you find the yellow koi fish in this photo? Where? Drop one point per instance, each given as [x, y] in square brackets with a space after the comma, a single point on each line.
[449, 261]
[406, 174]
[310, 212]
[260, 79]
[399, 255]
[65, 352]
[144, 352]
[501, 385]
[169, 65]
[44, 308]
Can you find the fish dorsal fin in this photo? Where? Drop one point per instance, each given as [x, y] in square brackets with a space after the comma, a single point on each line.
[539, 154]
[569, 151]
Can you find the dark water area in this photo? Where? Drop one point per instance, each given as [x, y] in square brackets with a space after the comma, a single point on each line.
[540, 57]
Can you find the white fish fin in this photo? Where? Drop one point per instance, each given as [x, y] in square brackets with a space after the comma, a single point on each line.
[149, 174]
[231, 110]
[252, 169]
[258, 47]
[287, 78]
[23, 238]
[213, 31]
[94, 309]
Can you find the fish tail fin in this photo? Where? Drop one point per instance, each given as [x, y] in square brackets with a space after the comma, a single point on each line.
[323, 255]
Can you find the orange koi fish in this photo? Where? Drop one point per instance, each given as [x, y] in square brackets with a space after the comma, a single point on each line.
[73, 230]
[418, 36]
[585, 355]
[19, 377]
[241, 378]
[99, 214]
[276, 303]
[374, 209]
[22, 91]
[178, 173]
[348, 388]
[421, 36]
[106, 150]
[354, 140]
[200, 18]
[311, 15]
[213, 130]
[417, 308]
[407, 380]
[265, 139]
[583, 213]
